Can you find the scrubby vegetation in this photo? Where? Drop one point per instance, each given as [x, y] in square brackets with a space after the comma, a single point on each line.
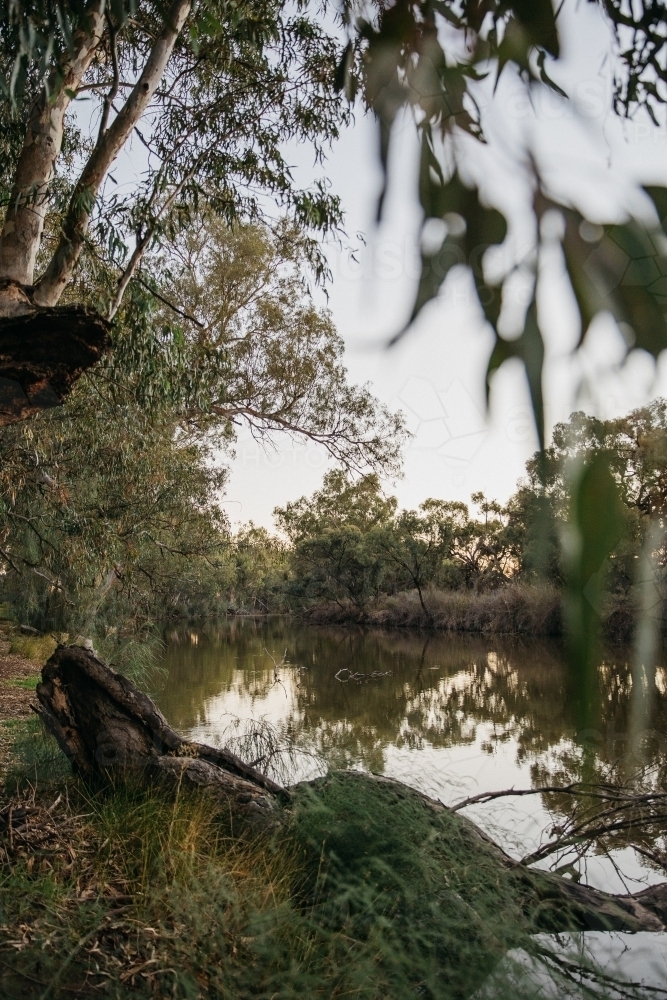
[158, 545]
[354, 556]
[367, 891]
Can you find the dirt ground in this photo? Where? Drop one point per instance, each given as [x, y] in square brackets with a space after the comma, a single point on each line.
[14, 700]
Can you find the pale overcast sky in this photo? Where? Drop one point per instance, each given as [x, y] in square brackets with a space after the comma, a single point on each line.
[436, 375]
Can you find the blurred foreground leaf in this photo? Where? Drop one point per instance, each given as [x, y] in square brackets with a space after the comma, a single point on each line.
[596, 524]
[529, 348]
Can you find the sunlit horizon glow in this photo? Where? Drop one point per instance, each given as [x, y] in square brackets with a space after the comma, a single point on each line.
[436, 373]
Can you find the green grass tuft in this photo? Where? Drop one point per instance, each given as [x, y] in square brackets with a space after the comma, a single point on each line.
[29, 683]
[37, 648]
[366, 893]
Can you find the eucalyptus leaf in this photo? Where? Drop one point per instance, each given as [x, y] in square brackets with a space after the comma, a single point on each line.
[538, 20]
[596, 524]
[529, 348]
[470, 229]
[625, 273]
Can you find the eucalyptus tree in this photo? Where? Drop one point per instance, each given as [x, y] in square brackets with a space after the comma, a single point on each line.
[240, 340]
[204, 98]
[116, 496]
[106, 516]
[331, 535]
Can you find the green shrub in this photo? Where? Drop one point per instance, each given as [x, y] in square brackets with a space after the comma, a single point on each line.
[37, 648]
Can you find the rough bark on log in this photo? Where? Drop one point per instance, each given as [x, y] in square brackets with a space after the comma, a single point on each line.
[43, 352]
[106, 726]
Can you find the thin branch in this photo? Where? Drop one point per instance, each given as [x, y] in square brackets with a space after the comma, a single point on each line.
[574, 789]
[166, 302]
[144, 241]
[8, 559]
[113, 90]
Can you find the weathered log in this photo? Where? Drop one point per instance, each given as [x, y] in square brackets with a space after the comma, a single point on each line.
[564, 905]
[43, 352]
[107, 728]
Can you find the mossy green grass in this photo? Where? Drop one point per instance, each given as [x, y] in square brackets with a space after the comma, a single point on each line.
[366, 892]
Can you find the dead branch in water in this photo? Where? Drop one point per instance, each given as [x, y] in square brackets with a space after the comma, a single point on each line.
[611, 809]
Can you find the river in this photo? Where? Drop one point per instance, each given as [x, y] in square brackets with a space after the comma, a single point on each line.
[450, 715]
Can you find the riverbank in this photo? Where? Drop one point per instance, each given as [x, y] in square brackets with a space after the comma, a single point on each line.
[368, 890]
[510, 610]
[363, 886]
[134, 892]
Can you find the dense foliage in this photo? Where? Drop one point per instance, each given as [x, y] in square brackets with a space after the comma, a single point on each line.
[206, 100]
[349, 543]
[111, 509]
[112, 520]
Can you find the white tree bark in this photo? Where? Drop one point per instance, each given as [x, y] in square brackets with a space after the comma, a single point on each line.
[24, 219]
[50, 287]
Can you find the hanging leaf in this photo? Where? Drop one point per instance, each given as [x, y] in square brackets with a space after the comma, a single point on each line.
[624, 271]
[544, 76]
[471, 229]
[538, 20]
[476, 11]
[344, 80]
[529, 348]
[658, 196]
[515, 47]
[596, 525]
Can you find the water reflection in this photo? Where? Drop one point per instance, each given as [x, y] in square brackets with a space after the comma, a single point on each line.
[452, 715]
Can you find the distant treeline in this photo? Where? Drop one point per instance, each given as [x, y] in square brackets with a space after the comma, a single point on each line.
[351, 555]
[346, 553]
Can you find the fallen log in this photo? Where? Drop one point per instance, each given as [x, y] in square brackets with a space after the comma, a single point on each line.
[110, 729]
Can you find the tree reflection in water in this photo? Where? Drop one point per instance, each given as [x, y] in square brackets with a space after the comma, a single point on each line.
[498, 696]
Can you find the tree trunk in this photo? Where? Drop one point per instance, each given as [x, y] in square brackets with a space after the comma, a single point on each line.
[43, 350]
[58, 274]
[108, 728]
[28, 202]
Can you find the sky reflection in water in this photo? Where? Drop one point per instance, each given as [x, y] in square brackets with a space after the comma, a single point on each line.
[452, 715]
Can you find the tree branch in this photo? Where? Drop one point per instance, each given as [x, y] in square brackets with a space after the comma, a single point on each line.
[113, 90]
[142, 245]
[170, 305]
[59, 271]
[24, 221]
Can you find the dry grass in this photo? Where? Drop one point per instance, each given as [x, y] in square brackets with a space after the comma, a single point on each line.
[37, 648]
[514, 610]
[120, 890]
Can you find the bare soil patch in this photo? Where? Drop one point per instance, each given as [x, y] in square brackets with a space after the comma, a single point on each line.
[15, 699]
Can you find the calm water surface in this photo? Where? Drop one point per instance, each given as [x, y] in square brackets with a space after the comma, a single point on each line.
[452, 716]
